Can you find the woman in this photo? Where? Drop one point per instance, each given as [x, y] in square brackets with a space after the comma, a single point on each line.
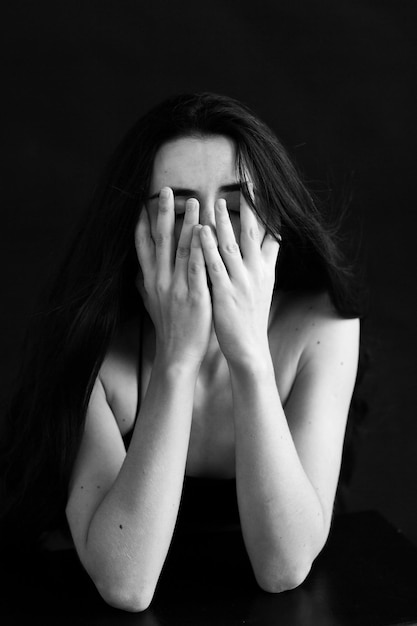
[203, 325]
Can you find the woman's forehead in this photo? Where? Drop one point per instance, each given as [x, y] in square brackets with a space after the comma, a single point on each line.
[195, 161]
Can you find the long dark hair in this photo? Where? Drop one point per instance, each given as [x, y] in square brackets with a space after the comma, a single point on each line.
[94, 292]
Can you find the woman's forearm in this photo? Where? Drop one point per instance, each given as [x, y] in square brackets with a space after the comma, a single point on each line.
[130, 532]
[283, 522]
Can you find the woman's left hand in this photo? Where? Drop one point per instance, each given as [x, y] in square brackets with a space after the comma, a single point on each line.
[242, 282]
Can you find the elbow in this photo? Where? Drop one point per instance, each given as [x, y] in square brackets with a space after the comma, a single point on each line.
[132, 600]
[283, 579]
[281, 571]
[121, 587]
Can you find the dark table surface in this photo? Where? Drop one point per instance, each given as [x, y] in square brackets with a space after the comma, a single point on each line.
[366, 575]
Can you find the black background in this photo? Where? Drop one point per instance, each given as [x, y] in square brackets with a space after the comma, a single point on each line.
[337, 82]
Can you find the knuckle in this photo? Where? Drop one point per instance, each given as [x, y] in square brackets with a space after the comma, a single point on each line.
[216, 266]
[232, 248]
[160, 287]
[161, 240]
[164, 205]
[145, 290]
[143, 250]
[177, 297]
[196, 296]
[195, 267]
[183, 252]
[252, 234]
[143, 238]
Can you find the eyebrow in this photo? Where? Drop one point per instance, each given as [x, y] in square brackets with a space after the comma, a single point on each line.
[181, 191]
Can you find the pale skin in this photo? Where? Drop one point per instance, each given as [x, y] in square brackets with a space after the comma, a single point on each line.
[238, 381]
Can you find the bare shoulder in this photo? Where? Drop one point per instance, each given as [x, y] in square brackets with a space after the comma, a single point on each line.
[314, 328]
[326, 333]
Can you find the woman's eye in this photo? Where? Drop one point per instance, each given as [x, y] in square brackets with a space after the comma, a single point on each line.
[233, 201]
[180, 204]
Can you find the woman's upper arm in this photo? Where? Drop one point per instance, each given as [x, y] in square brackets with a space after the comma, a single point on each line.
[318, 406]
[97, 465]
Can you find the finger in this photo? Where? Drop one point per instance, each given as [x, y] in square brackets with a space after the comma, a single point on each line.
[164, 236]
[197, 275]
[250, 235]
[270, 249]
[191, 217]
[144, 244]
[215, 266]
[227, 244]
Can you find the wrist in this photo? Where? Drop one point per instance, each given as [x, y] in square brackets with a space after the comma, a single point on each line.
[175, 365]
[252, 364]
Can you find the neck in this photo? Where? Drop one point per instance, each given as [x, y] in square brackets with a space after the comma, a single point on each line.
[213, 360]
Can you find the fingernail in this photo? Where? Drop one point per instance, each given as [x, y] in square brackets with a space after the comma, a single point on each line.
[191, 204]
[165, 192]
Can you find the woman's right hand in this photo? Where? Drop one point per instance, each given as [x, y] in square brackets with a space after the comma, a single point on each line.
[173, 283]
